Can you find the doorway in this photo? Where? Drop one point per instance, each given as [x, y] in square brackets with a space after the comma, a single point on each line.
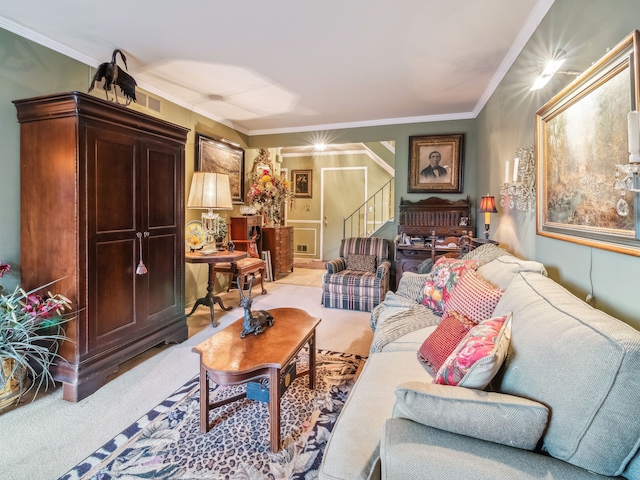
[351, 185]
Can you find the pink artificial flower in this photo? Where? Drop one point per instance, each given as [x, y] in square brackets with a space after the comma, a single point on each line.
[4, 268]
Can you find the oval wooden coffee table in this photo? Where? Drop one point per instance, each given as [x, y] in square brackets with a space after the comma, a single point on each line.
[227, 359]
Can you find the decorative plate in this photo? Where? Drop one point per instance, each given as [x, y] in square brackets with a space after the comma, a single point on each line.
[194, 234]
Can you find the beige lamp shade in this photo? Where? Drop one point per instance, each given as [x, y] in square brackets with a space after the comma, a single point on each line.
[210, 190]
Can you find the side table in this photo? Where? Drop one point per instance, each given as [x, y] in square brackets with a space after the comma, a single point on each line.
[221, 257]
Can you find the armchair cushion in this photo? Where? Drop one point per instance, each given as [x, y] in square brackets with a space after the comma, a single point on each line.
[495, 417]
[361, 263]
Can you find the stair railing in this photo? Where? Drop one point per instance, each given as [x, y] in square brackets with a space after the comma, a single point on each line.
[369, 217]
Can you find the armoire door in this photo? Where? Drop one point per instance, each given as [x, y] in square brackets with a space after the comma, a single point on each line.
[113, 217]
[163, 197]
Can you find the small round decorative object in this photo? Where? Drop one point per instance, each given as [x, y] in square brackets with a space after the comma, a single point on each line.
[622, 208]
[247, 210]
[194, 235]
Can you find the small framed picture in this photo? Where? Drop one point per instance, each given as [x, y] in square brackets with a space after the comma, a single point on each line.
[301, 181]
[436, 163]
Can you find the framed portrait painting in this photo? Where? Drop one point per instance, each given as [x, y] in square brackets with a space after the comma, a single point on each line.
[302, 183]
[581, 135]
[436, 163]
[216, 156]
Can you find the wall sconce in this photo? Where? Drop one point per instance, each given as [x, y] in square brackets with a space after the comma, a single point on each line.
[521, 191]
[630, 170]
[487, 206]
[551, 68]
[210, 191]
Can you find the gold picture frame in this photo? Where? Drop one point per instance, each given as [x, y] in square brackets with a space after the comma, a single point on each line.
[302, 183]
[436, 163]
[217, 156]
[581, 134]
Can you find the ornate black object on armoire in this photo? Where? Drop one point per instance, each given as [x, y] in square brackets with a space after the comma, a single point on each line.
[101, 197]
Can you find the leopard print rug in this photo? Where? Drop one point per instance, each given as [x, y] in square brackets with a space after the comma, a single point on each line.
[167, 443]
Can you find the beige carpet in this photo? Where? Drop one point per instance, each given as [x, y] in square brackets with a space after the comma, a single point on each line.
[44, 439]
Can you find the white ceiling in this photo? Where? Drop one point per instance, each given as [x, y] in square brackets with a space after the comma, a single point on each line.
[293, 65]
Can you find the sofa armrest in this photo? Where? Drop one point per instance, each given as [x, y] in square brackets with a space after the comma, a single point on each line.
[337, 265]
[495, 417]
[383, 269]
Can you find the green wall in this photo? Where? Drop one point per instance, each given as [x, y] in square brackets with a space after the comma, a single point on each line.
[585, 29]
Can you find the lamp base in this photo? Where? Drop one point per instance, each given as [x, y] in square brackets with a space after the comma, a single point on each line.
[486, 231]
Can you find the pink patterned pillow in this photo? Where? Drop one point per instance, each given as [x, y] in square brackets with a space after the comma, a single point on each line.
[479, 355]
[442, 280]
[444, 339]
[474, 297]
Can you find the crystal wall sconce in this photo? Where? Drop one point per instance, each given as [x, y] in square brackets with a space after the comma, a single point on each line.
[520, 193]
[630, 171]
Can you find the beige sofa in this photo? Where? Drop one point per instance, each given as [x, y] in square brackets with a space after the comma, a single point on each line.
[579, 365]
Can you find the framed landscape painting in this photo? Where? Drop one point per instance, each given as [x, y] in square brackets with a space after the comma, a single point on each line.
[216, 156]
[581, 134]
[436, 163]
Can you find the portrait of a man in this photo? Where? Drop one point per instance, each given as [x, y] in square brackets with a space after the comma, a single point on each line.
[433, 172]
[436, 163]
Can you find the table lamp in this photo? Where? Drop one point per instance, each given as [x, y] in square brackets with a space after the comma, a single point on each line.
[210, 191]
[487, 206]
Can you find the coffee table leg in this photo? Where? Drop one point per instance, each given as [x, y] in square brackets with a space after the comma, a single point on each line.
[204, 400]
[274, 408]
[312, 361]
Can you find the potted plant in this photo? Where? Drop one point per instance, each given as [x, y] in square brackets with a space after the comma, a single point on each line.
[30, 333]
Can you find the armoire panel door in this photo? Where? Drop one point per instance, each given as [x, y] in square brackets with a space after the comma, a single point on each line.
[163, 172]
[113, 218]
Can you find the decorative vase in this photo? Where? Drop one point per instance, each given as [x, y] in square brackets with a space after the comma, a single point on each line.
[272, 215]
[11, 391]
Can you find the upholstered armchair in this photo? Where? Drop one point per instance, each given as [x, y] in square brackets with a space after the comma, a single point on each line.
[359, 279]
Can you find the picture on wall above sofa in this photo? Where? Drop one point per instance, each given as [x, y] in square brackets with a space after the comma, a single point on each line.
[582, 134]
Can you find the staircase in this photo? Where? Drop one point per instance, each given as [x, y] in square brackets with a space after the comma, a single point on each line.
[372, 215]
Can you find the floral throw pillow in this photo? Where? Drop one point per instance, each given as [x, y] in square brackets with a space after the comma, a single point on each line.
[444, 339]
[479, 356]
[474, 297]
[361, 263]
[444, 276]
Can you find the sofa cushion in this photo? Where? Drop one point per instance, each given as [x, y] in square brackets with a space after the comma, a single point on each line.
[479, 356]
[352, 451]
[582, 364]
[495, 417]
[444, 339]
[412, 451]
[444, 277]
[502, 270]
[361, 263]
[473, 297]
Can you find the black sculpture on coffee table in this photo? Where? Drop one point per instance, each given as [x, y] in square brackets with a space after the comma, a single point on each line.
[254, 322]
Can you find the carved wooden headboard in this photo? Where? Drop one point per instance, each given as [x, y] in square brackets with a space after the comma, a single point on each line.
[433, 214]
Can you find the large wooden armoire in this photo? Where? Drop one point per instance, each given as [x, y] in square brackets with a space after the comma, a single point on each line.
[101, 196]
